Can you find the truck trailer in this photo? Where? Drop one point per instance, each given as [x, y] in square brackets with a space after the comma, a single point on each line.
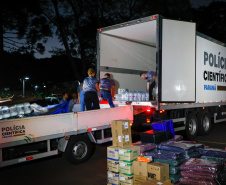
[190, 68]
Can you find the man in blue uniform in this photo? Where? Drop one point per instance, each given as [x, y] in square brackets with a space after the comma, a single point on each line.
[107, 89]
[91, 87]
[151, 78]
[64, 99]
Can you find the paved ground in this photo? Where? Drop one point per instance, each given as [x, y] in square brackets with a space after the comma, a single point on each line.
[55, 170]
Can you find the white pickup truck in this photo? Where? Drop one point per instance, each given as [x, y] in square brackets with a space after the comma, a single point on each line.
[25, 139]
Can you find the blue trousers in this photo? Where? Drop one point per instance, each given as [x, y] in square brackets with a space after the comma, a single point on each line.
[82, 101]
[108, 97]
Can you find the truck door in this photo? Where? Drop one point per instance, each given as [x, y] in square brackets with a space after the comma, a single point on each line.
[177, 69]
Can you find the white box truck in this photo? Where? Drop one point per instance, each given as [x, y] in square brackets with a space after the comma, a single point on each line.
[191, 76]
[190, 68]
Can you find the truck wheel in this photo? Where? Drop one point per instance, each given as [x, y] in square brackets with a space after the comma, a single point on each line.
[79, 149]
[191, 126]
[205, 124]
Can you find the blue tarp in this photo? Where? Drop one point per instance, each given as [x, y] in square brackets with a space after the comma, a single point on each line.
[58, 109]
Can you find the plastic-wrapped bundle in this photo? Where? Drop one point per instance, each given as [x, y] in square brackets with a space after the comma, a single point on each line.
[193, 154]
[213, 152]
[193, 181]
[201, 165]
[217, 159]
[170, 161]
[175, 178]
[202, 175]
[192, 143]
[163, 154]
[173, 170]
[177, 138]
[144, 147]
[176, 147]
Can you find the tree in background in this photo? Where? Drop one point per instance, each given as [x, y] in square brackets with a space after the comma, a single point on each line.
[26, 26]
[22, 27]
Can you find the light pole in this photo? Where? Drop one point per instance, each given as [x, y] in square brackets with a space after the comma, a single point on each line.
[24, 79]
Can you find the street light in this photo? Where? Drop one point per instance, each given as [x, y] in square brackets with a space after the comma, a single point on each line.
[24, 79]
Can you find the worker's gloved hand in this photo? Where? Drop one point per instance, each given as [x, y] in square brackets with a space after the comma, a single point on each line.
[113, 97]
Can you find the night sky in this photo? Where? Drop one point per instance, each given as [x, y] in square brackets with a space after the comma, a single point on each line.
[53, 42]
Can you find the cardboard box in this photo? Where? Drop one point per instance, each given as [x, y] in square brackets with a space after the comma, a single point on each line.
[113, 166]
[113, 178]
[120, 126]
[121, 140]
[140, 168]
[126, 179]
[129, 154]
[158, 171]
[156, 182]
[112, 153]
[138, 179]
[125, 167]
[121, 133]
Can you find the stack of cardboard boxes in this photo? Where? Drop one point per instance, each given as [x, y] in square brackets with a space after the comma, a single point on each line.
[121, 155]
[123, 167]
[144, 171]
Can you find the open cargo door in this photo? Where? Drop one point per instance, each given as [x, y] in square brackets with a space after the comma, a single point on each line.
[177, 64]
[128, 50]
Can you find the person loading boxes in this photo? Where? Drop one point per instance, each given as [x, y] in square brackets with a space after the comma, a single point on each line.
[150, 77]
[107, 89]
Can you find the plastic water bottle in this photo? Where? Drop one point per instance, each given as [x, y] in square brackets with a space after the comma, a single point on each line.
[139, 96]
[20, 109]
[123, 96]
[134, 95]
[5, 112]
[119, 90]
[126, 96]
[0, 113]
[130, 96]
[146, 96]
[142, 96]
[27, 108]
[118, 97]
[13, 111]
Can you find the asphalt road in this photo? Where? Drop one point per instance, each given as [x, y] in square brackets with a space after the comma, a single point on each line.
[56, 170]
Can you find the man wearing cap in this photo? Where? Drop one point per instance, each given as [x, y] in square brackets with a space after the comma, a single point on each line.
[151, 78]
[107, 89]
[91, 87]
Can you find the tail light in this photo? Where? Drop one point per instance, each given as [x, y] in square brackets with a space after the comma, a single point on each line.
[161, 111]
[148, 111]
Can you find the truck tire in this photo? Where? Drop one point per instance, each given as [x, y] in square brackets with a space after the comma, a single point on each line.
[79, 149]
[205, 123]
[191, 126]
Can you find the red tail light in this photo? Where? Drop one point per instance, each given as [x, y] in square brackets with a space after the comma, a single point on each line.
[161, 111]
[100, 29]
[154, 17]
